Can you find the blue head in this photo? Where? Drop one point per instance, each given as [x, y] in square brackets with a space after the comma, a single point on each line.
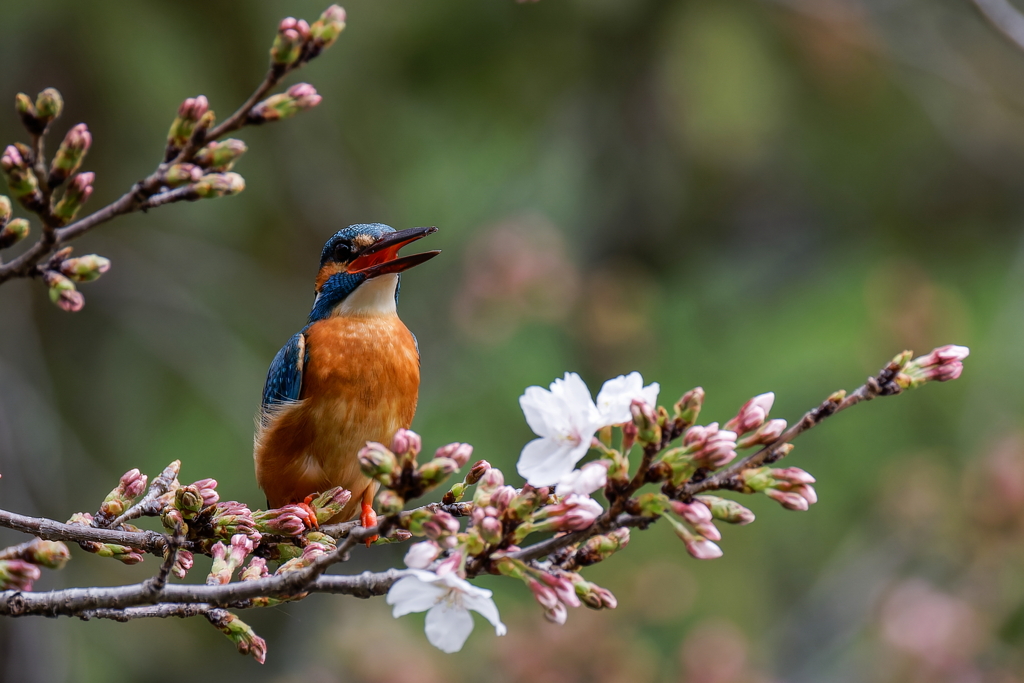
[360, 267]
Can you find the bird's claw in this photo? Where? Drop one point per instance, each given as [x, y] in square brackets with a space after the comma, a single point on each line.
[368, 518]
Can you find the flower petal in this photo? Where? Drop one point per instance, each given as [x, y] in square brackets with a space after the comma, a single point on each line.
[486, 607]
[544, 461]
[448, 626]
[413, 594]
[545, 413]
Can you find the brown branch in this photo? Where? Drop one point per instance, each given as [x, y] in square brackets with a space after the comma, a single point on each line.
[50, 530]
[142, 195]
[881, 385]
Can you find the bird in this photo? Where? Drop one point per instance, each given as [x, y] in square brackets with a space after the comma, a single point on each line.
[350, 376]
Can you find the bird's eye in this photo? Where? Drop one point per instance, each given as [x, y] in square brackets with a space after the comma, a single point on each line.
[342, 252]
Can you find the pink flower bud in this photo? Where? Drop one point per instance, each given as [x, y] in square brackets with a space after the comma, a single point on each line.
[493, 479]
[182, 563]
[421, 554]
[941, 365]
[18, 575]
[544, 595]
[459, 452]
[477, 471]
[557, 614]
[563, 587]
[586, 480]
[257, 569]
[491, 529]
[694, 513]
[574, 513]
[133, 483]
[703, 549]
[449, 564]
[193, 108]
[792, 475]
[292, 24]
[405, 441]
[788, 499]
[752, 415]
[501, 498]
[208, 490]
[306, 97]
[710, 446]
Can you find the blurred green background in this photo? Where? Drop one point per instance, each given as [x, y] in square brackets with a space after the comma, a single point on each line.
[747, 195]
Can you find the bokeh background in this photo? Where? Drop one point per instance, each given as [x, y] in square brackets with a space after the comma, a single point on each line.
[747, 195]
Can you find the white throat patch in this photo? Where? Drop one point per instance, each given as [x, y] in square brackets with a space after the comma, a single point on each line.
[376, 296]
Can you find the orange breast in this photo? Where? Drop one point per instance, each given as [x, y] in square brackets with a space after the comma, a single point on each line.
[360, 384]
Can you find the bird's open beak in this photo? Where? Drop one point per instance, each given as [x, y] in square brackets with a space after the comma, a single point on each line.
[381, 257]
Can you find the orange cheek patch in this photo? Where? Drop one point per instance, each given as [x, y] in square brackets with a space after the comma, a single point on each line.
[326, 272]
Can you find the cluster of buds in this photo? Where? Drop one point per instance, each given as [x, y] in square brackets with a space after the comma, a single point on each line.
[16, 165]
[329, 504]
[75, 195]
[117, 502]
[70, 154]
[752, 425]
[11, 231]
[398, 470]
[228, 558]
[790, 487]
[599, 548]
[18, 575]
[292, 36]
[20, 565]
[290, 520]
[703, 446]
[299, 97]
[213, 185]
[297, 42]
[231, 518]
[326, 29]
[121, 553]
[220, 156]
[242, 635]
[183, 562]
[440, 528]
[941, 365]
[37, 117]
[310, 552]
[177, 175]
[574, 512]
[193, 114]
[49, 554]
[478, 470]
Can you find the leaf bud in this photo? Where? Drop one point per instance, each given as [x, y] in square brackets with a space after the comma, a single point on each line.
[63, 292]
[70, 154]
[13, 232]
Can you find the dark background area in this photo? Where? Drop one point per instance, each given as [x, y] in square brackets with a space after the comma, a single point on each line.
[747, 195]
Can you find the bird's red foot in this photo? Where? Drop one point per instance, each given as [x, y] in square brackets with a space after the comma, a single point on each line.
[368, 518]
[310, 518]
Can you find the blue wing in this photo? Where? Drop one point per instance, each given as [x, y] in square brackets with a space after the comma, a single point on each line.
[284, 379]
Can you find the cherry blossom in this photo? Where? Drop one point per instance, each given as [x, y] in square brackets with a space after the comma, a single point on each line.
[447, 600]
[566, 418]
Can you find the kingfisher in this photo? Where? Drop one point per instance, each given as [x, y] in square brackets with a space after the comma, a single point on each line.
[351, 375]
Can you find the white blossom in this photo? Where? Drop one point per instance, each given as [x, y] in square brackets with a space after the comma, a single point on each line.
[447, 600]
[566, 419]
[617, 394]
